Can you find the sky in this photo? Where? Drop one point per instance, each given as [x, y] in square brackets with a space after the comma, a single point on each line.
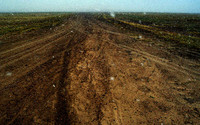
[175, 6]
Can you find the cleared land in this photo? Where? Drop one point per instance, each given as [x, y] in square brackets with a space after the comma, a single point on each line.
[94, 69]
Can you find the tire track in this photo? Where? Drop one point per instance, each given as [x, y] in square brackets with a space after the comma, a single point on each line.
[51, 67]
[30, 48]
[158, 60]
[63, 105]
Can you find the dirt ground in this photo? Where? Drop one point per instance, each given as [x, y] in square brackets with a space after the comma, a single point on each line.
[90, 72]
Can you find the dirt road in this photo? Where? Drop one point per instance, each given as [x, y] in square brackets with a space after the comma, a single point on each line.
[90, 72]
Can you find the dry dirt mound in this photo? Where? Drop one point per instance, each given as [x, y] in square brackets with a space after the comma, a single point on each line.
[89, 72]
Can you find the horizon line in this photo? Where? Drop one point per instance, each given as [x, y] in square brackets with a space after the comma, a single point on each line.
[96, 12]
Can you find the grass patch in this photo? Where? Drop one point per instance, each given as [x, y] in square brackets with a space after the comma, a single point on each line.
[192, 42]
[21, 23]
[185, 24]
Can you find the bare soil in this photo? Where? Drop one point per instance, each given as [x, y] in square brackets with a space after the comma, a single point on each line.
[88, 71]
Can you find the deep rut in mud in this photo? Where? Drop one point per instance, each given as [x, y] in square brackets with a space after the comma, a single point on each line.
[90, 72]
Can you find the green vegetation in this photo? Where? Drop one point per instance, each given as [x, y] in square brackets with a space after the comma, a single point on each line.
[185, 24]
[183, 29]
[26, 22]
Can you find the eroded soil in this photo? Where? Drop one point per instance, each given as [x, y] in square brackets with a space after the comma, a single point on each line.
[90, 72]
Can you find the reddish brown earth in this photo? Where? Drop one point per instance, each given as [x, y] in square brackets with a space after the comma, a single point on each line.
[90, 72]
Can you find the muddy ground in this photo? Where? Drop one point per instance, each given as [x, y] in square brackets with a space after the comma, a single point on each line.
[87, 71]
